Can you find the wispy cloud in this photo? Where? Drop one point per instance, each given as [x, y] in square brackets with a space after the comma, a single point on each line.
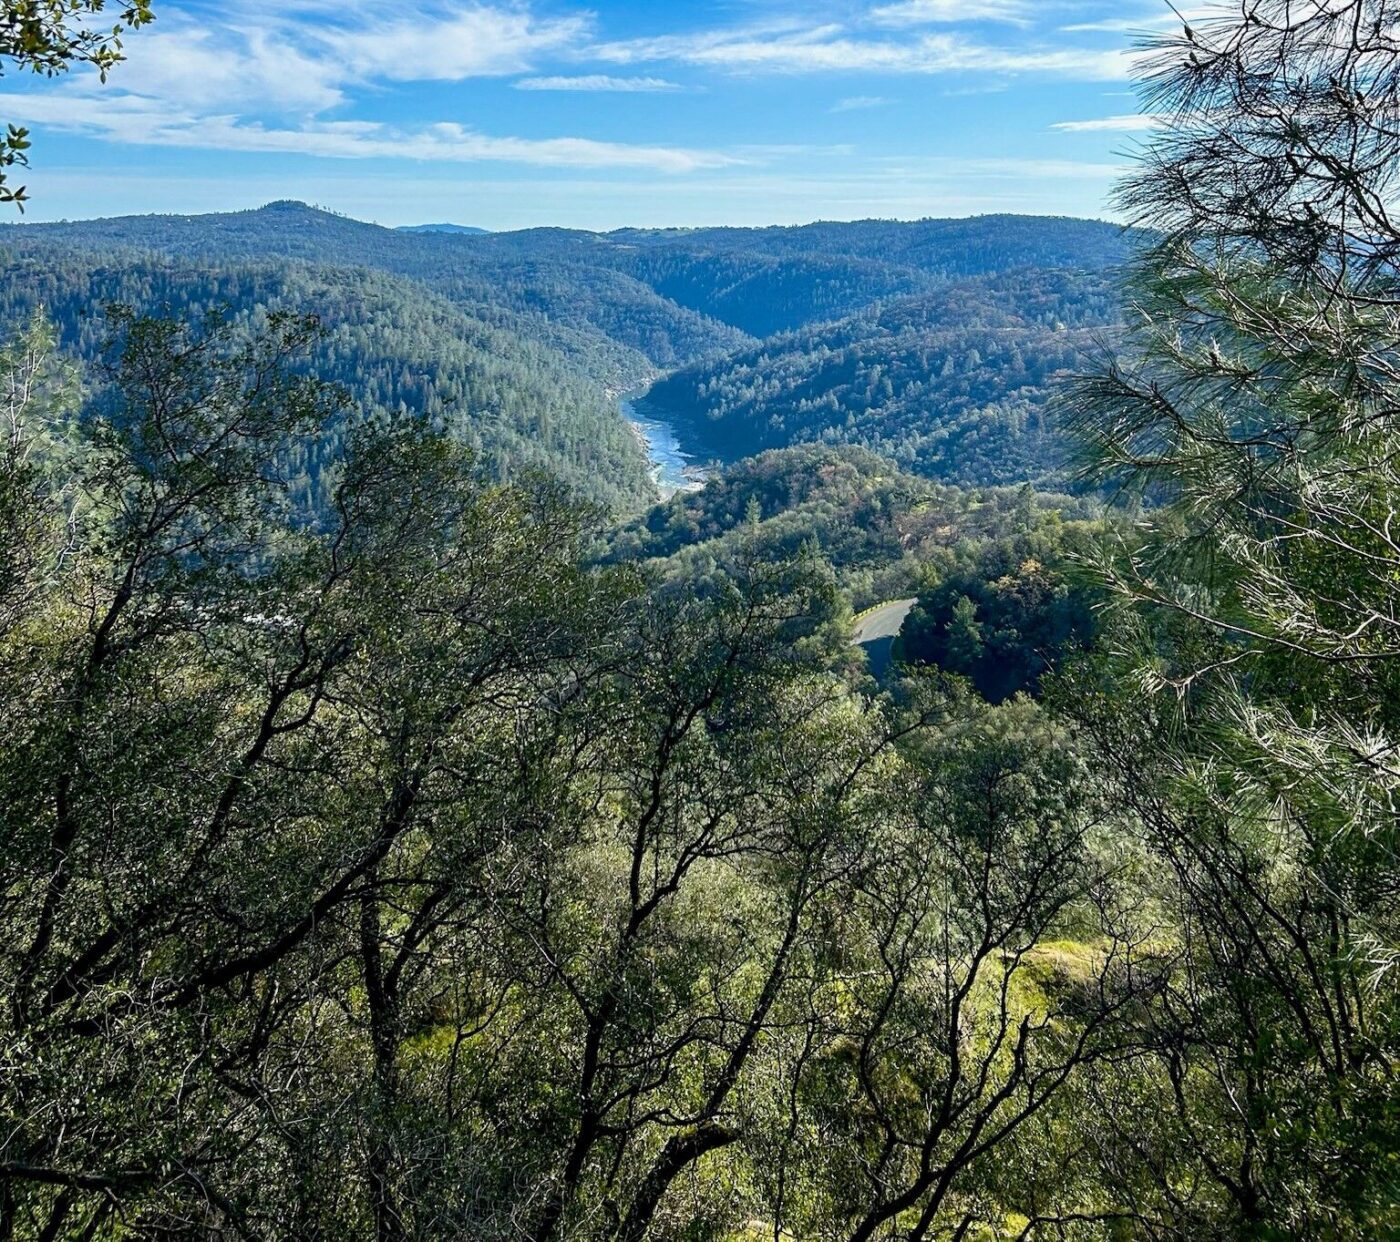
[1153, 18]
[427, 45]
[833, 49]
[203, 66]
[859, 103]
[1134, 123]
[288, 76]
[287, 58]
[929, 12]
[135, 119]
[597, 82]
[270, 79]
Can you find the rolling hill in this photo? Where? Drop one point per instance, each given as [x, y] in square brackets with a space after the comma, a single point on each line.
[390, 342]
[952, 385]
[666, 296]
[932, 342]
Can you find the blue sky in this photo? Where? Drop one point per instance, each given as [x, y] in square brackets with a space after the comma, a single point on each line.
[511, 114]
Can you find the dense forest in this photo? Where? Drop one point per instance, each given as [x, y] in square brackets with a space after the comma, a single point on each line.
[625, 305]
[953, 385]
[934, 342]
[883, 533]
[392, 343]
[413, 831]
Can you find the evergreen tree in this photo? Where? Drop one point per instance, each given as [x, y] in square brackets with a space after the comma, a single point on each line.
[1253, 413]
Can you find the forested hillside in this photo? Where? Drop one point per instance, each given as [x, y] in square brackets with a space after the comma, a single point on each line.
[615, 329]
[393, 343]
[457, 862]
[930, 342]
[953, 385]
[667, 297]
[884, 533]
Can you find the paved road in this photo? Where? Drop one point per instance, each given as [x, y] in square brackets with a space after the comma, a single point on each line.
[882, 622]
[875, 633]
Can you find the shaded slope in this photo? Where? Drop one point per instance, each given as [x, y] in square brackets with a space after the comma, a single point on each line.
[391, 342]
[952, 385]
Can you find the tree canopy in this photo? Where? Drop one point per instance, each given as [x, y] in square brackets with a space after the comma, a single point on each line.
[420, 855]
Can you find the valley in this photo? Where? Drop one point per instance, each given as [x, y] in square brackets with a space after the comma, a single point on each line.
[873, 730]
[935, 343]
[876, 391]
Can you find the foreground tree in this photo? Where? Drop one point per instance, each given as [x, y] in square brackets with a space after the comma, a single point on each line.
[1256, 414]
[196, 774]
[387, 871]
[50, 37]
[984, 959]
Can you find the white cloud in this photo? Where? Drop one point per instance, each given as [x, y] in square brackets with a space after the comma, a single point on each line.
[1156, 18]
[859, 103]
[1133, 123]
[270, 75]
[430, 45]
[268, 83]
[831, 48]
[929, 12]
[135, 119]
[597, 82]
[194, 65]
[304, 56]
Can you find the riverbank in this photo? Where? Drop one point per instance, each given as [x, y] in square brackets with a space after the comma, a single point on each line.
[672, 468]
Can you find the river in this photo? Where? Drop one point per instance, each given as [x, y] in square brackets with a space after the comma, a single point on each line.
[671, 465]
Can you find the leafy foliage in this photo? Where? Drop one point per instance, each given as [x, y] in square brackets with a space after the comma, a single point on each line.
[883, 532]
[49, 37]
[1011, 615]
[402, 874]
[392, 855]
[1255, 410]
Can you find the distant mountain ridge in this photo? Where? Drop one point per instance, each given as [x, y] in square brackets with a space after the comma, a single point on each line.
[647, 299]
[998, 240]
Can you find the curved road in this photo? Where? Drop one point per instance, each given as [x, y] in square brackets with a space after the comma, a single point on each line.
[882, 622]
[876, 630]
